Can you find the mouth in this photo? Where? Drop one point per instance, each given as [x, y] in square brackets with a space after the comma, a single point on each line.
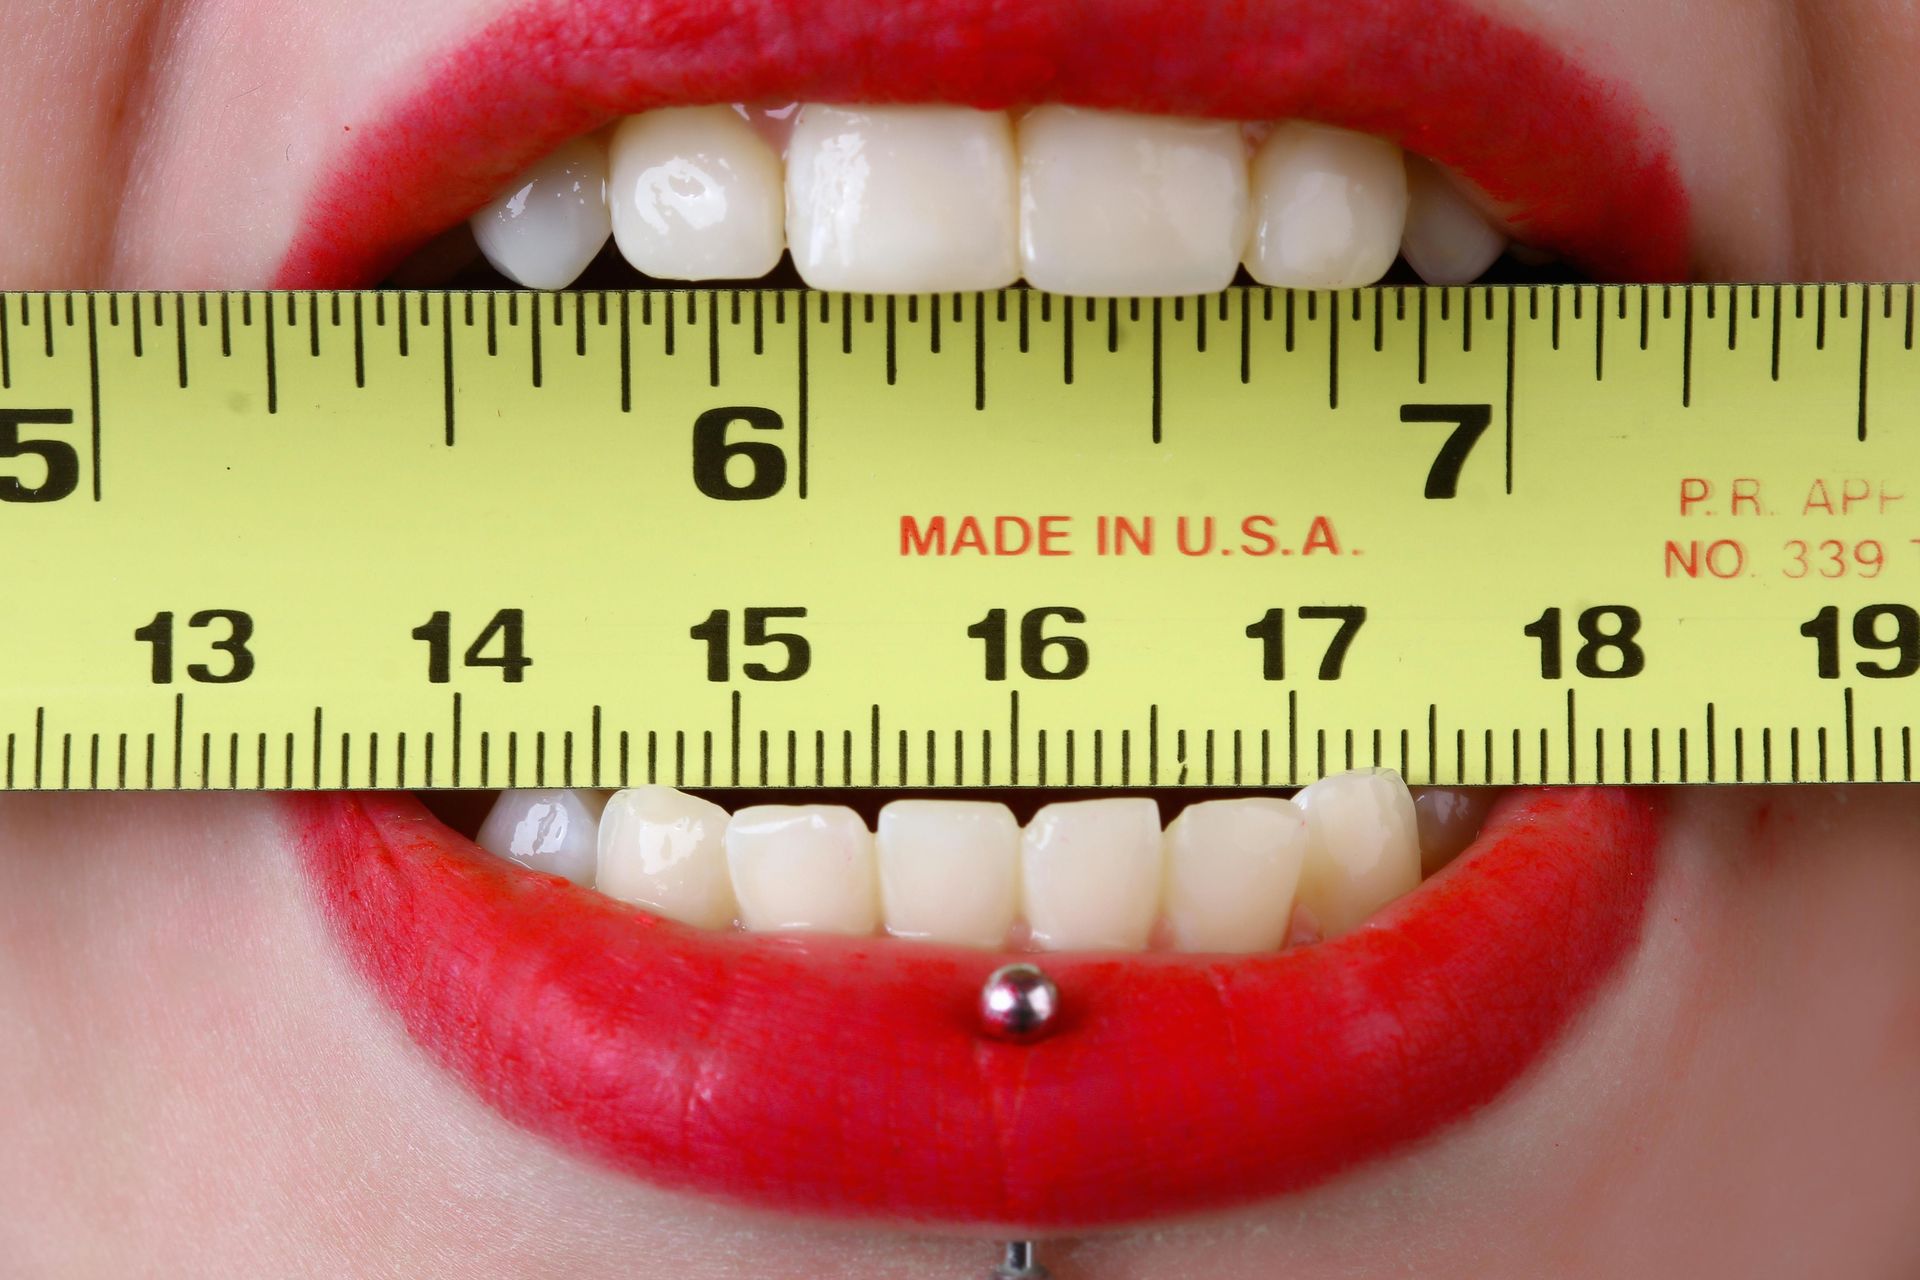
[780, 1005]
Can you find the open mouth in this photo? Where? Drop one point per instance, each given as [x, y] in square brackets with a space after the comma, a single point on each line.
[780, 1004]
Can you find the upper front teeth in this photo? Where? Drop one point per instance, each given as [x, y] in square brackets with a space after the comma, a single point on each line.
[947, 199]
[1226, 876]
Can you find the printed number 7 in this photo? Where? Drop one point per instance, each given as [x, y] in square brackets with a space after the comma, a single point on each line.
[1470, 423]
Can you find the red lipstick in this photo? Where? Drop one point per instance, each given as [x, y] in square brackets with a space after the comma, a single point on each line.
[1584, 168]
[850, 1077]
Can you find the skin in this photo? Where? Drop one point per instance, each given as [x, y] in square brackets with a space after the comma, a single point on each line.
[212, 1092]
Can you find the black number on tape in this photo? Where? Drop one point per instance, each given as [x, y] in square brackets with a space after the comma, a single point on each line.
[1470, 423]
[159, 634]
[1034, 644]
[62, 461]
[1824, 630]
[1270, 630]
[1602, 628]
[766, 465]
[716, 629]
[509, 625]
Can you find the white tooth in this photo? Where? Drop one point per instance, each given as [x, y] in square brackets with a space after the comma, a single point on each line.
[1447, 240]
[1116, 204]
[1329, 206]
[555, 830]
[667, 851]
[803, 866]
[1090, 874]
[545, 228]
[949, 870]
[1232, 867]
[902, 199]
[1449, 818]
[1363, 847]
[697, 194]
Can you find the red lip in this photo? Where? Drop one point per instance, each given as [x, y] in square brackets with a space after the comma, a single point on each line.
[846, 1076]
[1585, 168]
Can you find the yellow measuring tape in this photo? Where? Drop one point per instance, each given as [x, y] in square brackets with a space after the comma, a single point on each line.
[1493, 534]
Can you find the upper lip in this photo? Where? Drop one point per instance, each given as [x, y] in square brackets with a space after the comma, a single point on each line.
[1582, 168]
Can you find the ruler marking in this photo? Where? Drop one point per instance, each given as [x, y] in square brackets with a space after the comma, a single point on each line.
[456, 740]
[1646, 313]
[446, 366]
[346, 743]
[533, 334]
[873, 749]
[1712, 745]
[979, 352]
[1554, 294]
[373, 758]
[1778, 300]
[595, 756]
[679, 757]
[1733, 317]
[566, 735]
[580, 319]
[623, 757]
[1066, 337]
[1653, 749]
[1293, 738]
[1686, 356]
[1246, 336]
[733, 731]
[1040, 736]
[1333, 351]
[1433, 742]
[1025, 294]
[1158, 394]
[1626, 753]
[6, 354]
[1793, 752]
[359, 343]
[122, 774]
[139, 347]
[1113, 321]
[1879, 756]
[273, 374]
[540, 759]
[1739, 753]
[713, 332]
[1420, 363]
[493, 322]
[959, 755]
[1909, 317]
[1820, 740]
[1866, 321]
[893, 337]
[313, 325]
[1013, 737]
[1766, 753]
[93, 384]
[317, 715]
[179, 333]
[1600, 339]
[846, 323]
[399, 758]
[426, 752]
[513, 757]
[802, 443]
[1573, 770]
[846, 757]
[653, 757]
[933, 325]
[1199, 326]
[1846, 697]
[400, 313]
[1466, 321]
[626, 347]
[1509, 417]
[66, 761]
[1906, 753]
[1289, 320]
[1820, 318]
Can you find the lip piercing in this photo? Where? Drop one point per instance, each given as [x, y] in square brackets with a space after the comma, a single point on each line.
[1019, 1264]
[1018, 1003]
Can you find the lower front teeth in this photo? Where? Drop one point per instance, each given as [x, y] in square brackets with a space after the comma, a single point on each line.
[1227, 876]
[908, 199]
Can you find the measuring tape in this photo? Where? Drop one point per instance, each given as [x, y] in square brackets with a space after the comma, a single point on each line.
[772, 538]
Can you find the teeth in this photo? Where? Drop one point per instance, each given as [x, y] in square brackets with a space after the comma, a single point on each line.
[1329, 206]
[548, 224]
[806, 867]
[1232, 867]
[551, 830]
[1115, 204]
[1090, 874]
[697, 194]
[1363, 847]
[1447, 240]
[949, 870]
[667, 851]
[903, 199]
[1449, 818]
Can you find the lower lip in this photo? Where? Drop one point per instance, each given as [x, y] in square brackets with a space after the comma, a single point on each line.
[847, 1077]
[1582, 168]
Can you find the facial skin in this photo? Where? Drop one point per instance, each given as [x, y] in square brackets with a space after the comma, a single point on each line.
[209, 1090]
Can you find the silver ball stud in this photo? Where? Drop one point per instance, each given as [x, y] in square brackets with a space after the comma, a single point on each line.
[1018, 1003]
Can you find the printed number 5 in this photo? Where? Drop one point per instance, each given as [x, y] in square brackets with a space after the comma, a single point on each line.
[1470, 423]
